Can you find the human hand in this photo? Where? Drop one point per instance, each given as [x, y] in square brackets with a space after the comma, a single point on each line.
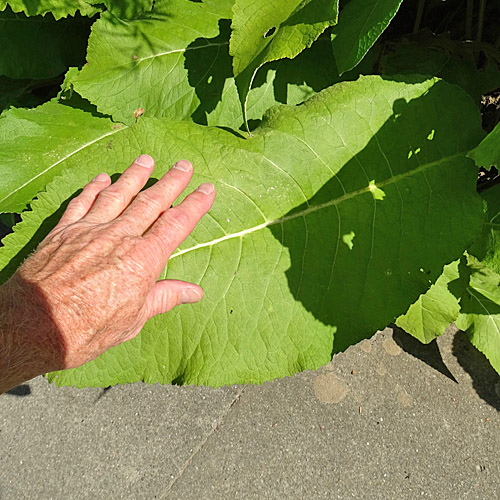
[92, 282]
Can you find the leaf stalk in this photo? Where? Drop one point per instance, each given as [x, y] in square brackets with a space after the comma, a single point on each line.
[468, 20]
[418, 19]
[480, 23]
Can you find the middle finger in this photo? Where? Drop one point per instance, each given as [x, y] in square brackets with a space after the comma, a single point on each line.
[152, 202]
[113, 200]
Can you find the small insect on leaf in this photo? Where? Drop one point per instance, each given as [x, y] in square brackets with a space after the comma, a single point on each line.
[138, 112]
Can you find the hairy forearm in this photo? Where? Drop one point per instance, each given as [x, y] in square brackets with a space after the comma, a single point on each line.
[29, 344]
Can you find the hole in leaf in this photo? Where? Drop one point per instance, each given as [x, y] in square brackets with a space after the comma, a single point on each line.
[270, 32]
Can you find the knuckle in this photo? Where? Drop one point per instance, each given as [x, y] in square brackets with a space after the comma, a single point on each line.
[77, 202]
[128, 183]
[151, 201]
[113, 197]
[180, 218]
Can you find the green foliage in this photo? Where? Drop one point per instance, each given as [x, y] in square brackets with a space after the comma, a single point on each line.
[349, 204]
[42, 139]
[433, 312]
[126, 9]
[487, 154]
[429, 54]
[480, 311]
[131, 59]
[16, 93]
[361, 23]
[467, 293]
[480, 305]
[57, 8]
[265, 31]
[39, 47]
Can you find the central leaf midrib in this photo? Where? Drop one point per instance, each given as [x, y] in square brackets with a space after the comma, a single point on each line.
[80, 79]
[315, 208]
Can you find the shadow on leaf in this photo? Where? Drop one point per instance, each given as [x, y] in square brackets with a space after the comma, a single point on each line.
[209, 65]
[360, 251]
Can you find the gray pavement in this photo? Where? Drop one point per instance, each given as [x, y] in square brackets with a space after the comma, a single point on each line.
[387, 419]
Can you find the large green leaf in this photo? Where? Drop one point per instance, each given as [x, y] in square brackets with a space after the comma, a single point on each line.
[36, 143]
[58, 8]
[487, 154]
[199, 83]
[160, 64]
[266, 31]
[323, 222]
[433, 312]
[285, 81]
[361, 22]
[41, 47]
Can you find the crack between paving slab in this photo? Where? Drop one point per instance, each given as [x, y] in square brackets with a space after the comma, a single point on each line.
[204, 441]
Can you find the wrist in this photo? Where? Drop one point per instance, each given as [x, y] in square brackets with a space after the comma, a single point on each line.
[30, 342]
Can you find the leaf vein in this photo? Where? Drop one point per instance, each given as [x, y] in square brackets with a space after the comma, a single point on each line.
[315, 208]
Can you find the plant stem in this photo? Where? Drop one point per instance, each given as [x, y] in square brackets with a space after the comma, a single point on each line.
[418, 19]
[480, 22]
[468, 21]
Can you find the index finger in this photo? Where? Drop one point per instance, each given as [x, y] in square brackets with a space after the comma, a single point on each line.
[174, 226]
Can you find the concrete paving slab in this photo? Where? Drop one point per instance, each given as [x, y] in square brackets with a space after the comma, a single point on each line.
[126, 442]
[387, 419]
[376, 423]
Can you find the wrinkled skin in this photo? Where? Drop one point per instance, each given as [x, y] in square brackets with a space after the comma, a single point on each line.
[92, 283]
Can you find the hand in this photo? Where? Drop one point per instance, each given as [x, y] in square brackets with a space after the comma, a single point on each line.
[92, 282]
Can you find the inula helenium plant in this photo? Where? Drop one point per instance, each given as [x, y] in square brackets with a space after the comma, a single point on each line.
[346, 171]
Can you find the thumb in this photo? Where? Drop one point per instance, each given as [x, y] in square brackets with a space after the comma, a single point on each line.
[167, 294]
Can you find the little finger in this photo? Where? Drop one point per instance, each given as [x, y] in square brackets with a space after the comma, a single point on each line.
[79, 206]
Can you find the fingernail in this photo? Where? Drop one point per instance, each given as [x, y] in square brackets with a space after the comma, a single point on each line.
[190, 296]
[101, 177]
[183, 165]
[206, 188]
[145, 161]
